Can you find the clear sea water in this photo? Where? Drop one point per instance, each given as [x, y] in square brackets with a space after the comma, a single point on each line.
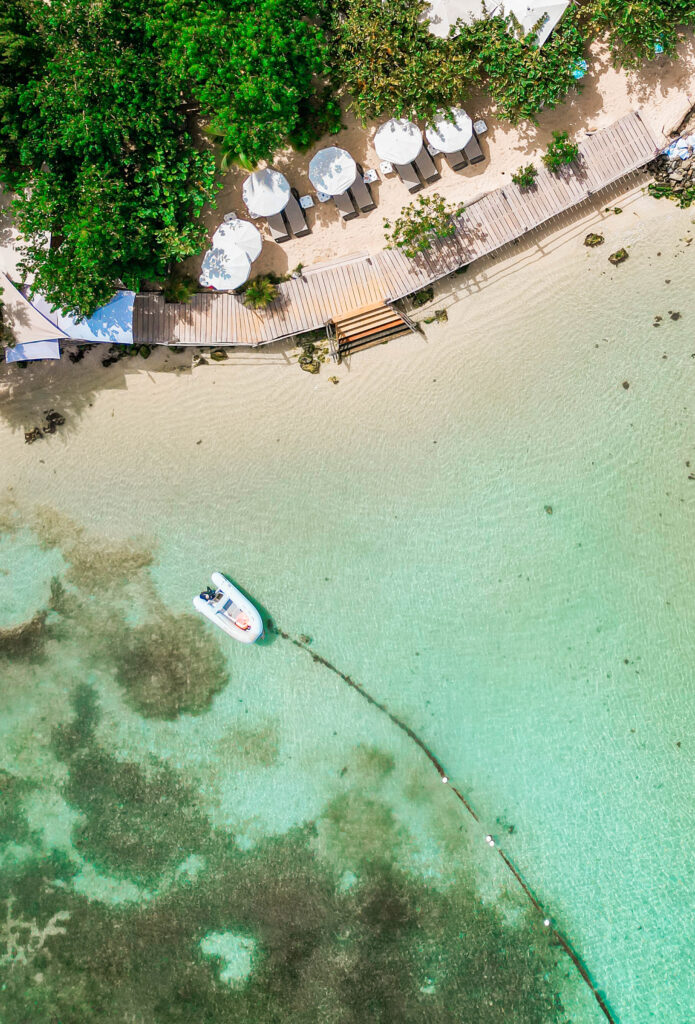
[491, 530]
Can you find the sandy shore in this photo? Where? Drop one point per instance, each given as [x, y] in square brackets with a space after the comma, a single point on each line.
[169, 379]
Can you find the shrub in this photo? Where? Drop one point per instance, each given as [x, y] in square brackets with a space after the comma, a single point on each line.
[525, 176]
[260, 293]
[420, 222]
[391, 64]
[635, 27]
[560, 151]
[179, 288]
[519, 76]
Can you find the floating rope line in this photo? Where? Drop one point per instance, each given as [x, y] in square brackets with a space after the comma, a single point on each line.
[432, 757]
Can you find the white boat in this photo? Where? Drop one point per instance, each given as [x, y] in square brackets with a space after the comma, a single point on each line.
[227, 607]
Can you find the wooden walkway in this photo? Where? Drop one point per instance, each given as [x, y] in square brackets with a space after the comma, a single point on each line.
[327, 291]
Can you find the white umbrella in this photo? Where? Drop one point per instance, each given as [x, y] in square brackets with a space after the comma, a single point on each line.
[332, 171]
[266, 192]
[224, 269]
[449, 136]
[399, 141]
[240, 233]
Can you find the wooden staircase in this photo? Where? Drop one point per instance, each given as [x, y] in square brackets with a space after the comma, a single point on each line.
[366, 326]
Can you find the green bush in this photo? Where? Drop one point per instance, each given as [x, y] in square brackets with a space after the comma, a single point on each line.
[635, 27]
[179, 288]
[526, 176]
[260, 292]
[420, 223]
[391, 65]
[560, 152]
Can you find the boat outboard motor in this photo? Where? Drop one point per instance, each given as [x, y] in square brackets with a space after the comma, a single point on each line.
[208, 594]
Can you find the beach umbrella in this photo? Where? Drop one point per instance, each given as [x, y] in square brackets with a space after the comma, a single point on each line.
[332, 171]
[225, 269]
[399, 141]
[241, 233]
[450, 136]
[266, 192]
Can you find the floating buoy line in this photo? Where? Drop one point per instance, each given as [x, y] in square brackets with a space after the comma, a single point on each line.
[303, 644]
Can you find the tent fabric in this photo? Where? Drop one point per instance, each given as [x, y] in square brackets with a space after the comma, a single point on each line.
[33, 350]
[111, 324]
[25, 321]
[442, 14]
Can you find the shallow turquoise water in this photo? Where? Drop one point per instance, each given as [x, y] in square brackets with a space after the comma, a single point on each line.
[494, 537]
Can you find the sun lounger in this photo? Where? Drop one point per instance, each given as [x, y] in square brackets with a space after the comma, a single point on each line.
[278, 228]
[473, 151]
[345, 205]
[425, 165]
[294, 215]
[361, 192]
[456, 160]
[408, 175]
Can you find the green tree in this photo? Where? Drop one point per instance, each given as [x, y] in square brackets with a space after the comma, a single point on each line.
[390, 63]
[520, 77]
[636, 27]
[105, 162]
[525, 176]
[256, 69]
[420, 223]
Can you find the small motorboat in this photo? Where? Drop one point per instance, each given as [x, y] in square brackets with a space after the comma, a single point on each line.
[227, 607]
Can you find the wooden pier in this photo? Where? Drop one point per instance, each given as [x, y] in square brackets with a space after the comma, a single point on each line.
[332, 291]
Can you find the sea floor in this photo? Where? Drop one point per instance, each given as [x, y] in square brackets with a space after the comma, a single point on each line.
[489, 530]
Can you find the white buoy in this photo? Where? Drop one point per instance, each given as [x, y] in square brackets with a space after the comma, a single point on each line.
[444, 779]
[547, 922]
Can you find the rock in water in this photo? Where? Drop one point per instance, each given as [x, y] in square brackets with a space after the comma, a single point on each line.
[618, 257]
[218, 355]
[592, 240]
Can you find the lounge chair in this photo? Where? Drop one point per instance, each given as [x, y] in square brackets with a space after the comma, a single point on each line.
[456, 160]
[278, 228]
[345, 205]
[473, 150]
[294, 215]
[425, 165]
[361, 192]
[408, 175]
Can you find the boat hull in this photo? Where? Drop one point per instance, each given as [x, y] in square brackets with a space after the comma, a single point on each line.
[231, 611]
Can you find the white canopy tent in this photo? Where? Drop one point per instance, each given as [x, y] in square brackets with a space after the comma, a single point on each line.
[33, 350]
[399, 141]
[442, 14]
[111, 324]
[27, 323]
[332, 171]
[449, 136]
[266, 192]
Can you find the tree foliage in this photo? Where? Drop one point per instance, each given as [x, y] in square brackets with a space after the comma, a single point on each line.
[420, 223]
[637, 27]
[525, 177]
[106, 163]
[391, 65]
[560, 152]
[255, 68]
[520, 77]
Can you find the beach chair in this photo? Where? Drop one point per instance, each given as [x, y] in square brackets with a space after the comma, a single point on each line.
[345, 205]
[473, 151]
[408, 175]
[456, 160]
[425, 165]
[278, 228]
[361, 192]
[294, 215]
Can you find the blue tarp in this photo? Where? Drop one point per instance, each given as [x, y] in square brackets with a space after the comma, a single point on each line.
[33, 350]
[112, 324]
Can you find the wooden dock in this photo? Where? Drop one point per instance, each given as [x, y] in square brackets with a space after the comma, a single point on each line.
[333, 290]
